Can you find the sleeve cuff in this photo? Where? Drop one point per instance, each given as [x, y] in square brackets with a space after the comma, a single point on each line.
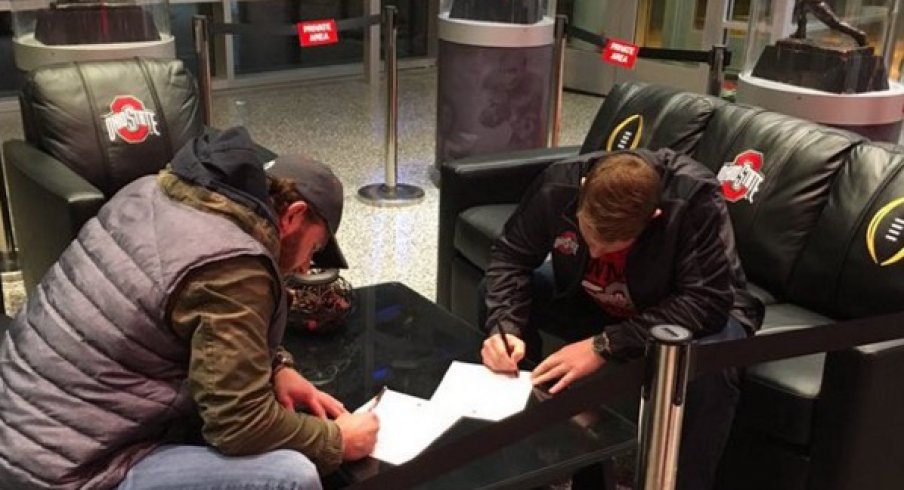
[330, 456]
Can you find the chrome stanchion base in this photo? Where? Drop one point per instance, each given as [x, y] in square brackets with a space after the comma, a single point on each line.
[384, 196]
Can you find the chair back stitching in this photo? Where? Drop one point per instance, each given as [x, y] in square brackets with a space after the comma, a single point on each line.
[164, 125]
[95, 120]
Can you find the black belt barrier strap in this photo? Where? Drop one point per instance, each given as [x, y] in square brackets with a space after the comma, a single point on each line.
[689, 55]
[596, 390]
[586, 36]
[793, 343]
[342, 25]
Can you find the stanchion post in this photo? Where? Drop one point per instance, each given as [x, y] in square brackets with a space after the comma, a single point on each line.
[392, 96]
[554, 125]
[391, 193]
[644, 416]
[201, 32]
[662, 435]
[716, 69]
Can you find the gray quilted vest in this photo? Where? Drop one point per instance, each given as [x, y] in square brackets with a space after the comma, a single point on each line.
[90, 373]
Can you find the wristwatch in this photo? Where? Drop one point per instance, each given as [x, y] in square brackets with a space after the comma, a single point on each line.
[281, 360]
[601, 346]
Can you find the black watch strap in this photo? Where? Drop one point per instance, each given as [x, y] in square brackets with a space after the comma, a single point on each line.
[601, 346]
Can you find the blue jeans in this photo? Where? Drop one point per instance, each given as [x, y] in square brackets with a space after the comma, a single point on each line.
[203, 468]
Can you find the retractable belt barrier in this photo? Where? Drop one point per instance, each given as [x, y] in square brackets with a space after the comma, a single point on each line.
[793, 343]
[689, 55]
[388, 193]
[640, 374]
[718, 57]
[342, 25]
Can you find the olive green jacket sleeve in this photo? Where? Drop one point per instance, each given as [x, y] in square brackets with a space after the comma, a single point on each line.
[224, 310]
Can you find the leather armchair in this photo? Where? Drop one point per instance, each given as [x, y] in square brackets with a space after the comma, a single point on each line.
[91, 128]
[817, 231]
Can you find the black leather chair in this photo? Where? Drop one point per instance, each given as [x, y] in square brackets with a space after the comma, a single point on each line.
[91, 128]
[478, 194]
[818, 238]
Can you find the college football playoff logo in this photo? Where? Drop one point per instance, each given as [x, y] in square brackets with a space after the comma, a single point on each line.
[626, 135]
[884, 239]
[129, 120]
[741, 178]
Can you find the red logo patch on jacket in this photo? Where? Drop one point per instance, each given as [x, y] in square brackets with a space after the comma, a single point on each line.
[566, 243]
[129, 120]
[741, 178]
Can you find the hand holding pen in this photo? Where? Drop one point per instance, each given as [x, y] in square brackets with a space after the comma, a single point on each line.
[377, 399]
[501, 352]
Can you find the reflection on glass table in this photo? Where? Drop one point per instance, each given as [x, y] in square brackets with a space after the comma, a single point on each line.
[397, 338]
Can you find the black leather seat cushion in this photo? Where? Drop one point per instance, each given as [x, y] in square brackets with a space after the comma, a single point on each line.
[477, 228]
[778, 398]
[761, 294]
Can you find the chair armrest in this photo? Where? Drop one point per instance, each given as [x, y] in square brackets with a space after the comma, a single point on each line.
[49, 203]
[858, 426]
[496, 178]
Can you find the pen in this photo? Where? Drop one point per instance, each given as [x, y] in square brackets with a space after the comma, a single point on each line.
[508, 349]
[505, 342]
[377, 399]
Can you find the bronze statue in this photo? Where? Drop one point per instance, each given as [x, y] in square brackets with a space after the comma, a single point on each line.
[823, 12]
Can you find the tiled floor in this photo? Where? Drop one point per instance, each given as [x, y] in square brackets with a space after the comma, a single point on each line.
[341, 122]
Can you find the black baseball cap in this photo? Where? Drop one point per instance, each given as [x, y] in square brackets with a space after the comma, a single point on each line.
[322, 190]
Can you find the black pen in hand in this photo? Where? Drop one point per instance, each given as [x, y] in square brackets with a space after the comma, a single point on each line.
[377, 399]
[508, 350]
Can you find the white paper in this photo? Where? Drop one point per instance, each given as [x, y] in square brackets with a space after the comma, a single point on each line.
[472, 390]
[408, 425]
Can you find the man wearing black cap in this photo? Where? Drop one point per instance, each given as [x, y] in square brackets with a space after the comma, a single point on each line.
[149, 357]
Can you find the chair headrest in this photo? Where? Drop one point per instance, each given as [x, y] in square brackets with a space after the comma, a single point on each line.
[111, 121]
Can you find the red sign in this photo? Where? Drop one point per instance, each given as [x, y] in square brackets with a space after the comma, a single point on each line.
[620, 53]
[317, 33]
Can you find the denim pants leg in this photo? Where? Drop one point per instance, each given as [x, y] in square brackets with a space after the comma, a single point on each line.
[708, 415]
[203, 468]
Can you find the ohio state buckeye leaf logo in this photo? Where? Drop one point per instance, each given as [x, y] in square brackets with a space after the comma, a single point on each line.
[129, 121]
[741, 178]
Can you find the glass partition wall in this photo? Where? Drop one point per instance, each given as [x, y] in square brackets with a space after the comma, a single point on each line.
[244, 60]
[675, 24]
[682, 24]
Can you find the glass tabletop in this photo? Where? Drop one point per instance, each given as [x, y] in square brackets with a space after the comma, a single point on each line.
[396, 337]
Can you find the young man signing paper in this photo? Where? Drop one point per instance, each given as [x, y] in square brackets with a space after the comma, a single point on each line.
[636, 239]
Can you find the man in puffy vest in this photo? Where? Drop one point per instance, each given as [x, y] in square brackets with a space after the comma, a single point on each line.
[149, 356]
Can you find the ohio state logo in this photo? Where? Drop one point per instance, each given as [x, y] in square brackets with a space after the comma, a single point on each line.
[741, 178]
[566, 243]
[129, 120]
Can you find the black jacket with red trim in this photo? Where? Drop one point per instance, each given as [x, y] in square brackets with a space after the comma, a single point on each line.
[683, 269]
